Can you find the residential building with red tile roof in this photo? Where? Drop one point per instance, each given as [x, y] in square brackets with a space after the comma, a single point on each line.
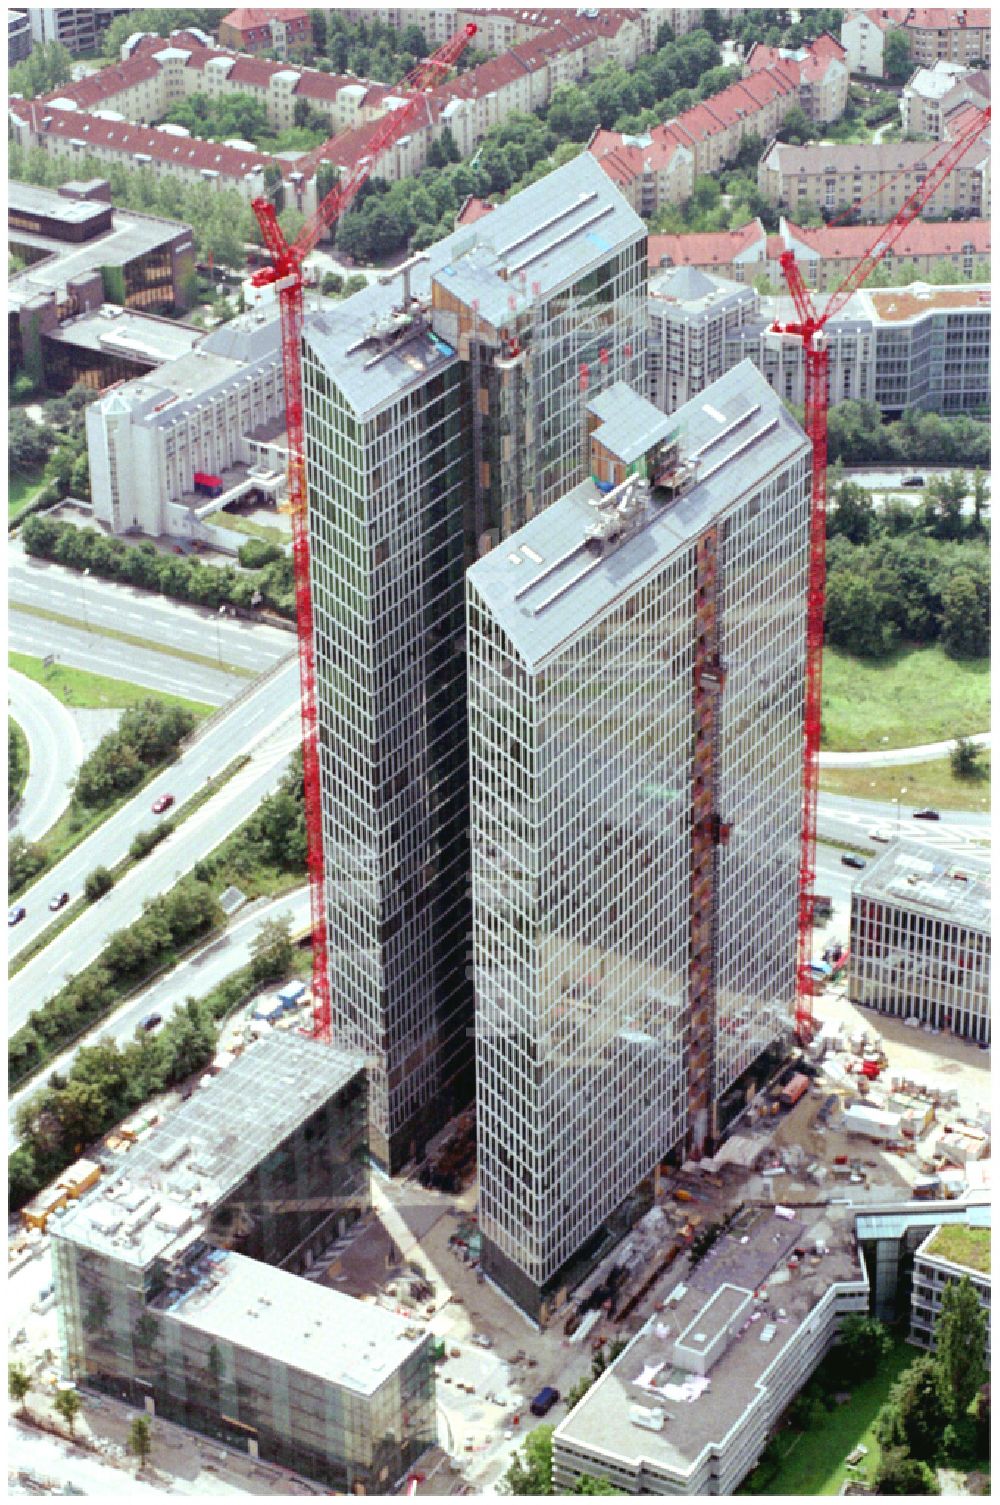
[652, 171]
[954, 35]
[931, 94]
[874, 180]
[739, 254]
[820, 71]
[252, 29]
[826, 254]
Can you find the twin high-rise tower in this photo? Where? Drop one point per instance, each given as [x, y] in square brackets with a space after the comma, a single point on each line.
[560, 648]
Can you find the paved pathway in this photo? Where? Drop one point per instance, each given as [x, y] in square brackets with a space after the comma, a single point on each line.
[890, 756]
[56, 752]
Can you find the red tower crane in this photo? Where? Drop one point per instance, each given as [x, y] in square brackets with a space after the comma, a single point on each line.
[285, 275]
[810, 328]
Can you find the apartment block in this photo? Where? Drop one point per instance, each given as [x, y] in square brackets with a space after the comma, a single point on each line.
[252, 29]
[636, 674]
[920, 939]
[821, 70]
[827, 253]
[19, 38]
[177, 1288]
[878, 179]
[688, 1407]
[947, 1255]
[80, 28]
[441, 412]
[958, 36]
[933, 93]
[690, 317]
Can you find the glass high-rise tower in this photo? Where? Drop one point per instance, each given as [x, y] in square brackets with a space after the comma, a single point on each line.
[441, 412]
[636, 682]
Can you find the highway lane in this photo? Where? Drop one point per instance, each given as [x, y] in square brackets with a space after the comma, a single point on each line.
[844, 819]
[81, 942]
[270, 704]
[55, 750]
[892, 480]
[76, 648]
[193, 978]
[125, 608]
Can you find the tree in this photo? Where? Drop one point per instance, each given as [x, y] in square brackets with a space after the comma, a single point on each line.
[980, 500]
[18, 1386]
[796, 127]
[863, 1343]
[960, 1346]
[897, 65]
[25, 860]
[68, 1404]
[856, 617]
[530, 1473]
[920, 1412]
[272, 950]
[965, 759]
[899, 1474]
[587, 1485]
[965, 626]
[852, 514]
[96, 884]
[139, 1439]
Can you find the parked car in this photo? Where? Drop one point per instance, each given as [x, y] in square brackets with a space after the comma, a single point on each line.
[849, 860]
[926, 815]
[482, 1340]
[161, 803]
[914, 481]
[879, 833]
[58, 900]
[16, 915]
[151, 1021]
[544, 1401]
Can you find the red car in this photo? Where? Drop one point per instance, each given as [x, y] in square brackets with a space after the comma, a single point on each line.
[162, 803]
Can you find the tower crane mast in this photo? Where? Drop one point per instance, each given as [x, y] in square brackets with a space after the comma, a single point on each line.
[285, 275]
[810, 327]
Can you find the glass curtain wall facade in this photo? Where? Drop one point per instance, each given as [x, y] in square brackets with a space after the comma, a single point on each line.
[388, 495]
[764, 563]
[581, 853]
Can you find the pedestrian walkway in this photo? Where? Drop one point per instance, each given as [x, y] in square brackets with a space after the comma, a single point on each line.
[890, 756]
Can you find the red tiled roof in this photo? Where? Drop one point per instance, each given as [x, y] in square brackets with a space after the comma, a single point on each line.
[472, 210]
[775, 246]
[246, 18]
[715, 248]
[253, 72]
[920, 238]
[625, 161]
[91, 92]
[939, 20]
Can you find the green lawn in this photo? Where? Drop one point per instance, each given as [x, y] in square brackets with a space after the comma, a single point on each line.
[238, 524]
[78, 687]
[813, 1462]
[16, 786]
[925, 784]
[919, 695]
[21, 490]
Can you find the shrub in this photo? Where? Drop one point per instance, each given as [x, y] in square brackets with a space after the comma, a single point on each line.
[97, 883]
[257, 552]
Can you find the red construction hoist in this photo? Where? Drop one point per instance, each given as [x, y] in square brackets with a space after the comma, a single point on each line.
[810, 328]
[285, 275]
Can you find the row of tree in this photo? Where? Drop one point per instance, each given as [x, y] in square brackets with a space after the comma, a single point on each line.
[857, 434]
[108, 1081]
[242, 117]
[48, 65]
[908, 589]
[58, 442]
[17, 762]
[182, 577]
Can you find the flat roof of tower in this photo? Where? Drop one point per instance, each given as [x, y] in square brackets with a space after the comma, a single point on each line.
[188, 1164]
[543, 585]
[546, 236]
[310, 1327]
[916, 876]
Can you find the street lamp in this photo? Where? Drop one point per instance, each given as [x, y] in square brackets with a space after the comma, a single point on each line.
[83, 600]
[218, 636]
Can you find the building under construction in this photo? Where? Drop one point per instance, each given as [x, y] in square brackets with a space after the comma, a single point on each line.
[637, 660]
[442, 411]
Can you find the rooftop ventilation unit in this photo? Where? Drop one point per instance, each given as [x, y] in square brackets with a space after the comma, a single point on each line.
[652, 1418]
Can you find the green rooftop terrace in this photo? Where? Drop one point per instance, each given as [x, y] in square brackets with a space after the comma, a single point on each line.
[963, 1246]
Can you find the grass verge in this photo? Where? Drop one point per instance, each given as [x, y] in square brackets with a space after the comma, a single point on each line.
[22, 490]
[812, 1463]
[80, 688]
[918, 695]
[925, 784]
[76, 909]
[252, 529]
[15, 787]
[203, 659]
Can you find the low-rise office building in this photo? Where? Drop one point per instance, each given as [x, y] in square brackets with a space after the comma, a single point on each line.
[920, 938]
[921, 347]
[80, 255]
[217, 410]
[176, 1284]
[688, 1407]
[946, 1256]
